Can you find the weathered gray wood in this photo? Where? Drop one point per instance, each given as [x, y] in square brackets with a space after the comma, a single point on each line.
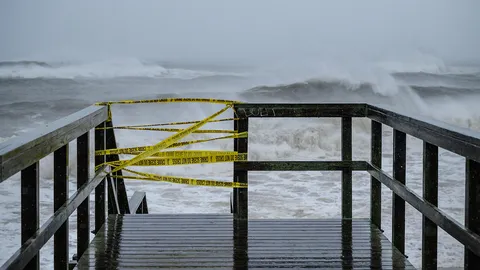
[346, 135]
[430, 194]
[31, 247]
[206, 241]
[302, 165]
[240, 201]
[300, 110]
[113, 207]
[472, 208]
[462, 141]
[376, 186]
[119, 183]
[83, 211]
[100, 189]
[19, 153]
[138, 202]
[60, 196]
[440, 218]
[240, 195]
[399, 174]
[233, 194]
[30, 215]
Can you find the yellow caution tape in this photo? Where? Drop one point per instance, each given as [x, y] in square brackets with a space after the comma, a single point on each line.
[168, 141]
[192, 153]
[154, 156]
[183, 180]
[235, 136]
[168, 100]
[174, 129]
[172, 161]
[136, 150]
[178, 123]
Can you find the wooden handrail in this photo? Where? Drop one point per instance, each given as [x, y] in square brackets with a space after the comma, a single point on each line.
[20, 152]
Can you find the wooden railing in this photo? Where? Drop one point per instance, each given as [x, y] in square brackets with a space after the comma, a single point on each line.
[433, 133]
[23, 154]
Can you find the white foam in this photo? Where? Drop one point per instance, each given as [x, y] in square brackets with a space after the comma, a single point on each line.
[415, 61]
[112, 68]
[273, 195]
[351, 74]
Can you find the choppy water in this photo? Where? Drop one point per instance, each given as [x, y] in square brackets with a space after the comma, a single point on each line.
[34, 93]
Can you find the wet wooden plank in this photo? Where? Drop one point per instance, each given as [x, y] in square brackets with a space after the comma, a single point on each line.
[208, 241]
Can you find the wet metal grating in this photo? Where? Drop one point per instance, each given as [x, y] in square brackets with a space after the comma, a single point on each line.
[203, 241]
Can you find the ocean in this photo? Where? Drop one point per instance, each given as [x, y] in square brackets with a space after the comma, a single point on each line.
[34, 93]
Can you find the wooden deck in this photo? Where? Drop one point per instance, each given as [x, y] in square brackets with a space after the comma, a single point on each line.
[204, 241]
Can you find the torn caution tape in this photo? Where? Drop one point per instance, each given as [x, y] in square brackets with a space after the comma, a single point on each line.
[177, 123]
[192, 153]
[174, 129]
[136, 150]
[169, 141]
[156, 156]
[181, 180]
[170, 100]
[173, 161]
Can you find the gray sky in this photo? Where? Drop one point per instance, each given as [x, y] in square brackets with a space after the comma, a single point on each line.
[247, 30]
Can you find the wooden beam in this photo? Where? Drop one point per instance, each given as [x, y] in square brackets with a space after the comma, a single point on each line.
[19, 153]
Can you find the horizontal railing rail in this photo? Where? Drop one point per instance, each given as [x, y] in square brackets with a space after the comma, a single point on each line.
[440, 218]
[300, 110]
[302, 165]
[434, 134]
[461, 141]
[18, 153]
[30, 248]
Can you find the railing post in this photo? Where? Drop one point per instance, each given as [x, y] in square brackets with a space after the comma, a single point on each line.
[240, 195]
[116, 186]
[83, 211]
[376, 186]
[233, 198]
[240, 199]
[399, 170]
[430, 194]
[100, 189]
[113, 207]
[30, 216]
[60, 196]
[472, 208]
[144, 207]
[347, 173]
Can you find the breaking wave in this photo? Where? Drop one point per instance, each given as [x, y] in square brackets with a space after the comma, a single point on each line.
[6, 64]
[113, 68]
[367, 90]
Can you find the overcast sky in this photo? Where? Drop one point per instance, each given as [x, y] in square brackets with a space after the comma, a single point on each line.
[261, 29]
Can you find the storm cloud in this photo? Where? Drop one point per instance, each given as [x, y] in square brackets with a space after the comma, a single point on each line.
[238, 30]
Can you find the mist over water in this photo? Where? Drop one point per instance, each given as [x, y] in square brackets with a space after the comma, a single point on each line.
[419, 58]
